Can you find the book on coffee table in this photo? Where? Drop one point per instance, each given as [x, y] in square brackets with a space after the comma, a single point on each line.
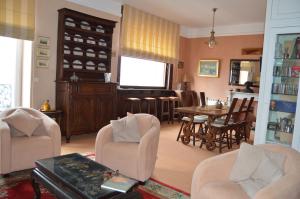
[119, 183]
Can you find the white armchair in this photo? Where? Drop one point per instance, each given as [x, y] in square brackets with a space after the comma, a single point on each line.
[211, 178]
[19, 153]
[135, 160]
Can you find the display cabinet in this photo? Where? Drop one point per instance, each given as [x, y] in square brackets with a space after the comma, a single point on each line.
[84, 46]
[284, 91]
[84, 49]
[278, 116]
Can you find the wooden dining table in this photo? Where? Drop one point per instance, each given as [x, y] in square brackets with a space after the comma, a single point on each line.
[212, 112]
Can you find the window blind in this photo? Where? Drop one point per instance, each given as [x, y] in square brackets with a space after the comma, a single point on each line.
[17, 19]
[149, 37]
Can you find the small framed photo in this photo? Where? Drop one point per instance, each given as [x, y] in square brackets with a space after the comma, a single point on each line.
[43, 41]
[180, 65]
[43, 52]
[208, 68]
[42, 63]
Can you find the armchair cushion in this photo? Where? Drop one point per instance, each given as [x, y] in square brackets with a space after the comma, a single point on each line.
[248, 158]
[21, 121]
[268, 167]
[126, 129]
[123, 156]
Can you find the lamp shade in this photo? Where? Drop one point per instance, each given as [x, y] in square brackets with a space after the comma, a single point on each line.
[185, 78]
[212, 40]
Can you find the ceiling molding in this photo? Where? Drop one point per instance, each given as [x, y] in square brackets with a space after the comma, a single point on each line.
[241, 29]
[107, 6]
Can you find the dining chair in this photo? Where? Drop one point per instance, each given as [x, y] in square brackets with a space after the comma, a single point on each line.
[244, 122]
[236, 124]
[202, 99]
[221, 129]
[197, 119]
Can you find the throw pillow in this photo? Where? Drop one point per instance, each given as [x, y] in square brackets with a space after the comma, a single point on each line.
[126, 129]
[15, 132]
[23, 122]
[251, 187]
[267, 172]
[268, 167]
[246, 162]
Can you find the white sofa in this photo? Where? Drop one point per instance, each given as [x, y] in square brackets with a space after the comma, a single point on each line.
[19, 153]
[211, 178]
[135, 160]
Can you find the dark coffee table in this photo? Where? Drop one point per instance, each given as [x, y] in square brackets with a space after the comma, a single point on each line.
[74, 176]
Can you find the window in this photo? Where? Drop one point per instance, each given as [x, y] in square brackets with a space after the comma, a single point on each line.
[15, 72]
[142, 73]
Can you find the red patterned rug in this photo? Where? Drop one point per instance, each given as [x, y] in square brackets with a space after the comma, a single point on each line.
[18, 186]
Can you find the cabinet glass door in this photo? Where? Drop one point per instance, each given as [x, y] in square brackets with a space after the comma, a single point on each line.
[284, 90]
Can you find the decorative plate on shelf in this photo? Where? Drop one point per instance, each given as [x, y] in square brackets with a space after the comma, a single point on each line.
[77, 64]
[103, 55]
[90, 53]
[67, 36]
[91, 40]
[85, 25]
[67, 50]
[90, 65]
[77, 51]
[78, 38]
[101, 67]
[66, 64]
[102, 42]
[100, 29]
[70, 22]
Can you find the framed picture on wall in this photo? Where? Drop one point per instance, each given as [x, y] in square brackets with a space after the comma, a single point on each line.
[208, 68]
[43, 41]
[43, 52]
[42, 63]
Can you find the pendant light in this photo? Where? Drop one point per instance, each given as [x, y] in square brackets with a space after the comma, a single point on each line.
[212, 40]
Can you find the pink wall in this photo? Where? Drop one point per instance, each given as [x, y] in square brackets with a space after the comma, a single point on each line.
[228, 47]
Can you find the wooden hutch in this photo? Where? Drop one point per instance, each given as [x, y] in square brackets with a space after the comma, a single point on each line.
[84, 51]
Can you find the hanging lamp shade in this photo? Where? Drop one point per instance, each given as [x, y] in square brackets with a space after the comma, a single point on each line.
[212, 40]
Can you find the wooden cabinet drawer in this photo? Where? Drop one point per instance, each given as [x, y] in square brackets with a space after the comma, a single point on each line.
[92, 88]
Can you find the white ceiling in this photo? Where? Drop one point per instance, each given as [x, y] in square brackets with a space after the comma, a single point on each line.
[233, 17]
[198, 13]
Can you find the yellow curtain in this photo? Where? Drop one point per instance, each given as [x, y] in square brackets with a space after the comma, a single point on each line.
[149, 37]
[17, 19]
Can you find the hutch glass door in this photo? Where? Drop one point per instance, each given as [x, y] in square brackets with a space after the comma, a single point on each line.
[282, 111]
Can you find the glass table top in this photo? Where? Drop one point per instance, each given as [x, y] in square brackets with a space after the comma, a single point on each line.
[78, 172]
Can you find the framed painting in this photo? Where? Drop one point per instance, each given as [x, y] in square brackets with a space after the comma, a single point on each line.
[43, 41]
[43, 52]
[42, 63]
[208, 68]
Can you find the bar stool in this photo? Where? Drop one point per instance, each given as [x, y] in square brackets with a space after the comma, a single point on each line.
[164, 108]
[151, 105]
[174, 103]
[134, 104]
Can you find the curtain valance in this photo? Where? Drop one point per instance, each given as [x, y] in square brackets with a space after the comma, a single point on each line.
[148, 36]
[17, 19]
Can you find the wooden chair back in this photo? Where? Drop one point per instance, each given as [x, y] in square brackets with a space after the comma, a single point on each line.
[202, 98]
[249, 107]
[230, 111]
[189, 98]
[242, 107]
[195, 98]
